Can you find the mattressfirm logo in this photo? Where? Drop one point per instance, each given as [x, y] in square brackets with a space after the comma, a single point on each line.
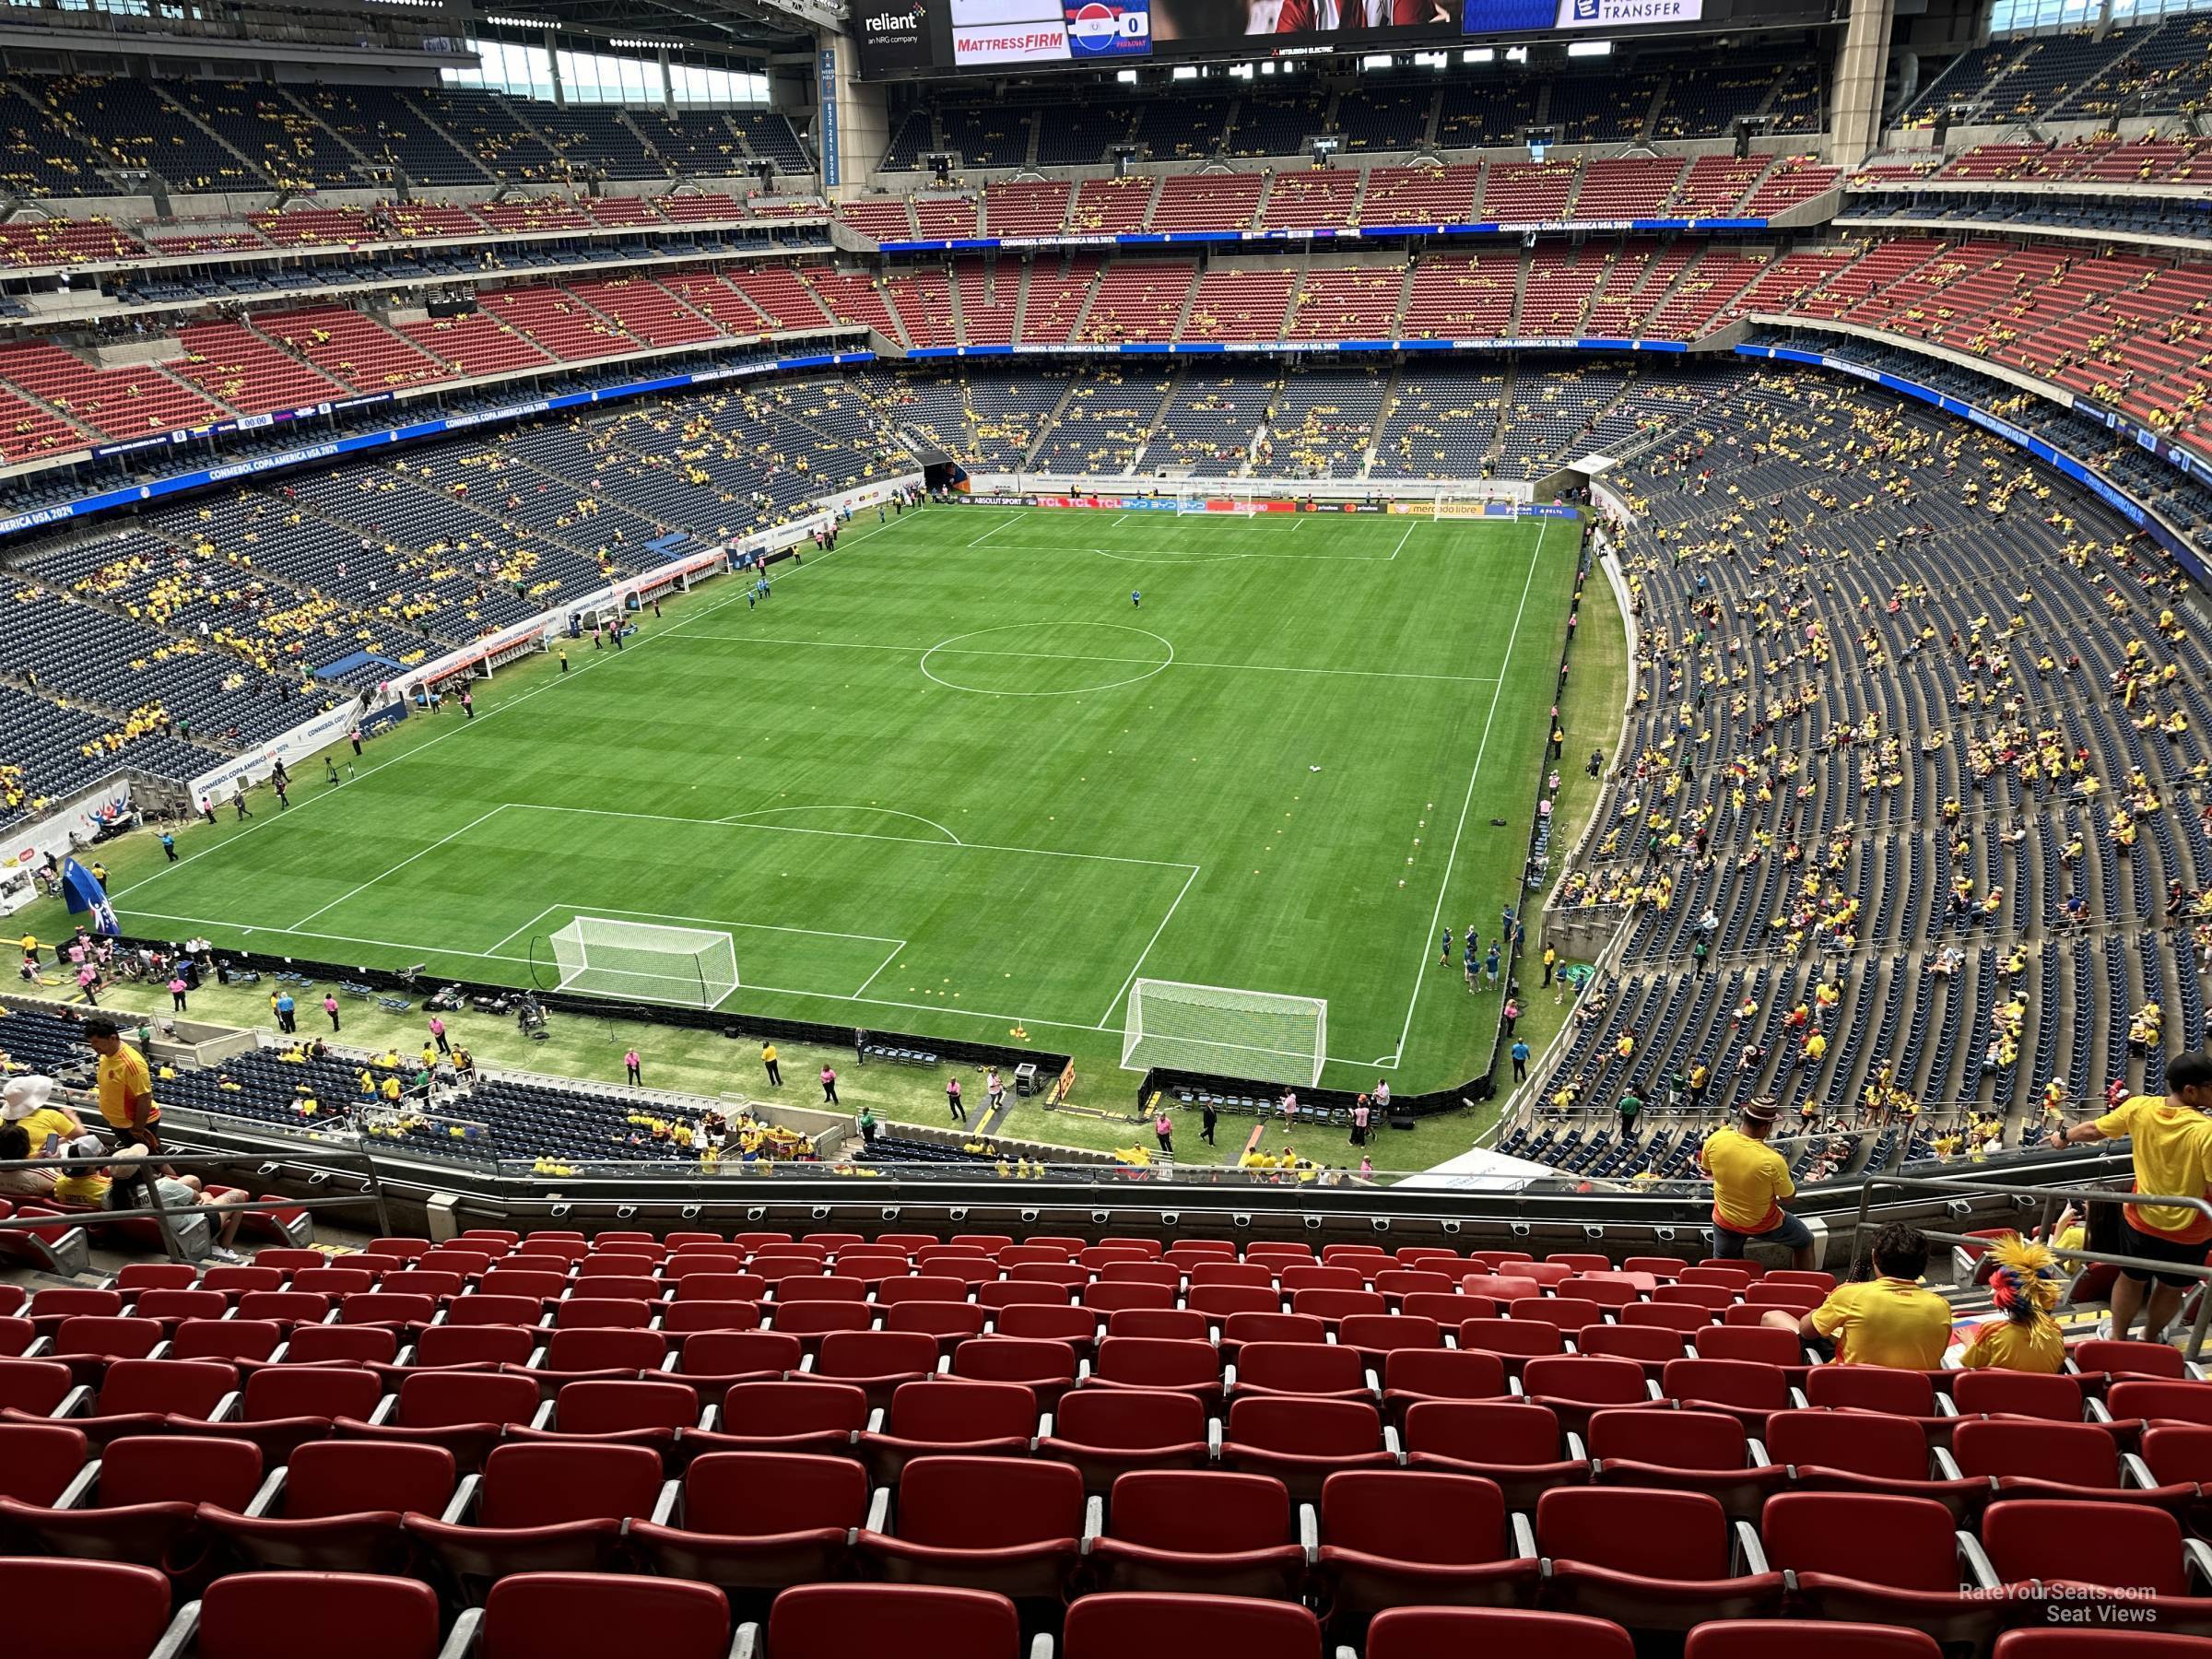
[1625, 14]
[1098, 29]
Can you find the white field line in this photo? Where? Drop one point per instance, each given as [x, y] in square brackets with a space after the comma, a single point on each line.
[742, 817]
[1481, 748]
[1137, 966]
[402, 864]
[997, 527]
[1070, 656]
[1413, 527]
[911, 841]
[886, 961]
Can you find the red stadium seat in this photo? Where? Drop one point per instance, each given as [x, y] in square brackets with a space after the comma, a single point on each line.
[1316, 1371]
[1177, 1325]
[2073, 1461]
[335, 1507]
[1238, 1329]
[714, 1361]
[1869, 1452]
[1651, 1560]
[1883, 1561]
[2109, 1547]
[144, 1396]
[591, 1356]
[756, 1522]
[801, 1415]
[1189, 1627]
[1005, 1524]
[1685, 1452]
[1576, 1386]
[946, 1417]
[628, 1412]
[950, 1323]
[62, 1609]
[876, 1361]
[1752, 1639]
[144, 1506]
[1104, 1433]
[1412, 1375]
[1395, 1538]
[1743, 1388]
[1302, 1442]
[1150, 1363]
[238, 1341]
[589, 1616]
[2018, 1393]
[1046, 1368]
[1077, 1328]
[1217, 1532]
[836, 1622]
[1517, 1446]
[466, 1412]
[541, 1508]
[283, 1406]
[38, 1461]
[1456, 1632]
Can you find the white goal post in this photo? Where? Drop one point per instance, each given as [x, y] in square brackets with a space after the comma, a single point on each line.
[696, 967]
[1232, 1033]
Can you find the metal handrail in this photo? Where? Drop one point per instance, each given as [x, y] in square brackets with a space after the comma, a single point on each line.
[160, 1213]
[1938, 1185]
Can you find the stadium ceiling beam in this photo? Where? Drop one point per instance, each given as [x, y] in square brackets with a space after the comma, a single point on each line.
[735, 22]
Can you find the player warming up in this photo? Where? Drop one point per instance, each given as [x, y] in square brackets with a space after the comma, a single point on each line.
[1136, 599]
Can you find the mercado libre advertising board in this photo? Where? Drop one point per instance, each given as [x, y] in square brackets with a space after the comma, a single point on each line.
[931, 37]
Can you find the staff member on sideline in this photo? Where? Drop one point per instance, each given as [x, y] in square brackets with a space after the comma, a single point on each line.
[1750, 1182]
[126, 1087]
[1889, 1319]
[2173, 1160]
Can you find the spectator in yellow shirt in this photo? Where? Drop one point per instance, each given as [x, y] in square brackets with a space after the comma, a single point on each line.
[2026, 1286]
[2173, 1143]
[1889, 1319]
[1750, 1182]
[125, 1087]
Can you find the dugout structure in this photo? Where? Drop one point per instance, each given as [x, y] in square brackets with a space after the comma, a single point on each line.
[692, 966]
[1223, 1030]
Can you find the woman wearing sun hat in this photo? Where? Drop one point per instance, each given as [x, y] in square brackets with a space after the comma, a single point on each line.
[28, 1102]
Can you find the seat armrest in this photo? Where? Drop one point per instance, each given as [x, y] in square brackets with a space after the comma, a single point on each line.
[1755, 1453]
[1576, 1451]
[1975, 1560]
[464, 1500]
[226, 1408]
[876, 1419]
[664, 1507]
[542, 1419]
[2134, 1471]
[182, 1635]
[1747, 1557]
[806, 1362]
[382, 1417]
[2097, 1412]
[468, 1634]
[2198, 1554]
[1309, 1533]
[77, 1402]
[267, 1497]
[1651, 1389]
[1945, 1464]
[709, 1418]
[1374, 1382]
[1945, 1405]
[1390, 1444]
[879, 1510]
[1229, 1378]
[1797, 1400]
[1041, 1648]
[1524, 1535]
[77, 1494]
[1044, 1430]
[1213, 1439]
[1094, 1520]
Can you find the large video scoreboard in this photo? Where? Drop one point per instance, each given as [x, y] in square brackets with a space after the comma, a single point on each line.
[937, 36]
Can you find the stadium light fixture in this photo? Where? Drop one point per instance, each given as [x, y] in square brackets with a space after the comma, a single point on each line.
[1516, 55]
[1378, 60]
[1480, 54]
[1184, 72]
[1126, 76]
[1589, 49]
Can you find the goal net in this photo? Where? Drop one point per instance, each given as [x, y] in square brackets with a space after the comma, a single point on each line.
[1234, 1033]
[694, 966]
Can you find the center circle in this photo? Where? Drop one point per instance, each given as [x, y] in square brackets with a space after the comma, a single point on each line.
[1049, 659]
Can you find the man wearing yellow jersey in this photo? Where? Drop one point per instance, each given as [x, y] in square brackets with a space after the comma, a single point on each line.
[1750, 1182]
[1889, 1319]
[2173, 1143]
[125, 1087]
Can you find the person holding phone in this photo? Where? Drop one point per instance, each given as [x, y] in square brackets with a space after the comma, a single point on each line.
[29, 1103]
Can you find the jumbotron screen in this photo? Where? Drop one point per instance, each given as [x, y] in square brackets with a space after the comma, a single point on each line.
[937, 36]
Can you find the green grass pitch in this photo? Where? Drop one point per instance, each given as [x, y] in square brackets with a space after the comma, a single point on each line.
[950, 778]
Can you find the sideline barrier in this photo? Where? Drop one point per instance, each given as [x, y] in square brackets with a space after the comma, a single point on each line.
[1323, 233]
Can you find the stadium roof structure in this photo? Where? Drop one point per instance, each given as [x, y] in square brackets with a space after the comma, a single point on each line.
[750, 28]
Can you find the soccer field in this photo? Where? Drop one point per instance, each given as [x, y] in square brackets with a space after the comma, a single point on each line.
[951, 779]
